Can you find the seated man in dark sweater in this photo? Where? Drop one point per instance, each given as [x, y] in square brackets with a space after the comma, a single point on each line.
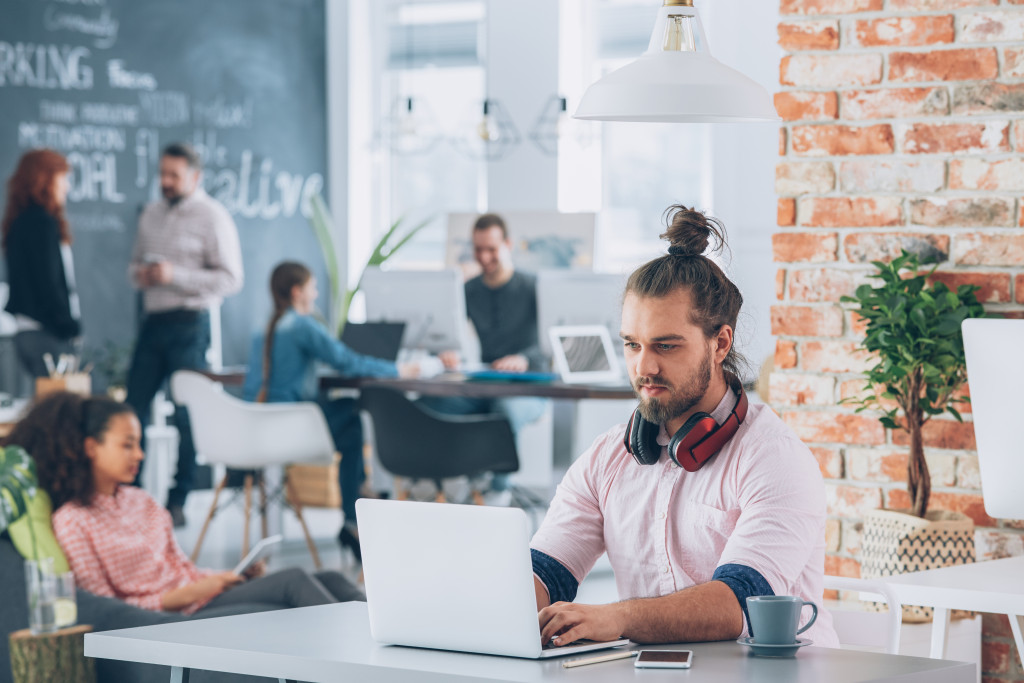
[502, 305]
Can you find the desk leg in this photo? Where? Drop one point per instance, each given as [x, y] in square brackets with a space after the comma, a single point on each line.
[940, 633]
[1017, 626]
[180, 674]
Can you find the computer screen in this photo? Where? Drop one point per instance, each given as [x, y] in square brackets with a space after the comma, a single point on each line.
[571, 297]
[583, 353]
[431, 303]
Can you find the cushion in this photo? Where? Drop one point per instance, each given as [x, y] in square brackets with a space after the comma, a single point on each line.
[37, 522]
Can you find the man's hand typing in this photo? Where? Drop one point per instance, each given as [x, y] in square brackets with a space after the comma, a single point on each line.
[566, 622]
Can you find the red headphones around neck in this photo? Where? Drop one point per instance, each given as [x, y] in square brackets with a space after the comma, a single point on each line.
[693, 444]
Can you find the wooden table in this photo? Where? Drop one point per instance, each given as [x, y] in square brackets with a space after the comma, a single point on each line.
[333, 643]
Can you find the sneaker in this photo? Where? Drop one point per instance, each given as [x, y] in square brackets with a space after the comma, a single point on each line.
[501, 499]
[177, 515]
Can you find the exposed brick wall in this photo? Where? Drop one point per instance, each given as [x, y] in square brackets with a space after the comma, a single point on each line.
[903, 128]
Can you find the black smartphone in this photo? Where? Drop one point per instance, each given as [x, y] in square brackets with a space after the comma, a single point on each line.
[663, 659]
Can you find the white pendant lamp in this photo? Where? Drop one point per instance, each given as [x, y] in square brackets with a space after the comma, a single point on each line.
[677, 80]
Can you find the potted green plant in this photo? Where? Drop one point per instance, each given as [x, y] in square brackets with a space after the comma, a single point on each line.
[913, 333]
[17, 485]
[323, 226]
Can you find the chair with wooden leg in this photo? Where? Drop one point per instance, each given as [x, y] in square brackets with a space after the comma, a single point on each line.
[251, 436]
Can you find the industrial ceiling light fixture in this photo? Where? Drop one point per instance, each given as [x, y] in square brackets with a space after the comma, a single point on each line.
[677, 80]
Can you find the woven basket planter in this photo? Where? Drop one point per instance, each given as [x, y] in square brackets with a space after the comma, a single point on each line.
[897, 543]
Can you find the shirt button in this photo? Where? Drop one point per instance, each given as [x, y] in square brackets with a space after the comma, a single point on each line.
[661, 515]
[666, 570]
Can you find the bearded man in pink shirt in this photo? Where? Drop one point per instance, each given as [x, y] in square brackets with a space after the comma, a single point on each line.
[702, 499]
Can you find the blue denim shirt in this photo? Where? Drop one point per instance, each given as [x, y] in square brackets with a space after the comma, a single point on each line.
[299, 341]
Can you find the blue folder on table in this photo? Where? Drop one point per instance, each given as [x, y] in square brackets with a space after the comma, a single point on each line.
[502, 376]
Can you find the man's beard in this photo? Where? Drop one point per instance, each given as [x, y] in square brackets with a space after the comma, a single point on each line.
[680, 400]
[171, 196]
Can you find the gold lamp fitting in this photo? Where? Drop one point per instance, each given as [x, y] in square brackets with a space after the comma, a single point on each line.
[678, 3]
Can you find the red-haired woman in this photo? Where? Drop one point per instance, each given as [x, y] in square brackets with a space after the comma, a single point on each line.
[37, 244]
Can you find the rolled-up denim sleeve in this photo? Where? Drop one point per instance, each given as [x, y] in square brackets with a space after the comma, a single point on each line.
[744, 583]
[559, 581]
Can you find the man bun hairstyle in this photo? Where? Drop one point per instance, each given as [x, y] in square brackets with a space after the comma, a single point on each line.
[716, 299]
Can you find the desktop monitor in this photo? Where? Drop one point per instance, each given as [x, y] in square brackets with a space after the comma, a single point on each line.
[431, 303]
[995, 372]
[572, 297]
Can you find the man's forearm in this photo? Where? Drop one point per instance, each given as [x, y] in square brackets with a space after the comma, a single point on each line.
[709, 611]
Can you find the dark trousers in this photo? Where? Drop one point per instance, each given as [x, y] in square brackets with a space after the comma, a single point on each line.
[290, 588]
[31, 345]
[347, 432]
[169, 341]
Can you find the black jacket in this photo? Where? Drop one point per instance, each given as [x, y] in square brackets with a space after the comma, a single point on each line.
[35, 272]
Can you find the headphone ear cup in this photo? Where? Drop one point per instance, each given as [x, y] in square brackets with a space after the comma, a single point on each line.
[693, 431]
[642, 437]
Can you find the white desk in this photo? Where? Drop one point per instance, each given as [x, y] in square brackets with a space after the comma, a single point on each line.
[995, 586]
[332, 643]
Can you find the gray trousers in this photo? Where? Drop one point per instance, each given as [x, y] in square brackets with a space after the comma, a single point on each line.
[288, 588]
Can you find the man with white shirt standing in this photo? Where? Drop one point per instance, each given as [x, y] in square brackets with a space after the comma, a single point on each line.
[701, 500]
[186, 259]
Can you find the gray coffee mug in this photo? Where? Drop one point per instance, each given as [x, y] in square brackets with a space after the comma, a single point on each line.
[774, 618]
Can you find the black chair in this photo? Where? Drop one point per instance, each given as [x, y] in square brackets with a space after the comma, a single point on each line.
[415, 442]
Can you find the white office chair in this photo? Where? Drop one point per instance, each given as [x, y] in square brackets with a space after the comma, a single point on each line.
[862, 629]
[251, 436]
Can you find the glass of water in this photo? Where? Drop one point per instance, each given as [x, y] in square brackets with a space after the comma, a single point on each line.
[65, 608]
[41, 589]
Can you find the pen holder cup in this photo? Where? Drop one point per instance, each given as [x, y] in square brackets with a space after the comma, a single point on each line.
[75, 382]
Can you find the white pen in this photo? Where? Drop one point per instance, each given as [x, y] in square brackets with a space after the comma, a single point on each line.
[48, 359]
[597, 660]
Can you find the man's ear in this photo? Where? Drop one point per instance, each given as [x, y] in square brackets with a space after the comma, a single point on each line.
[723, 343]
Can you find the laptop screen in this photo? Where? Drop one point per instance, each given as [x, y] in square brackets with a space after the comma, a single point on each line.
[584, 353]
[378, 339]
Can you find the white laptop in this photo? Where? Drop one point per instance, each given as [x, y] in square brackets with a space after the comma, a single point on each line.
[995, 372]
[453, 577]
[584, 354]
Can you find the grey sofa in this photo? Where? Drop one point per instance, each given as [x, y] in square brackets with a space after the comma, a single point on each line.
[103, 614]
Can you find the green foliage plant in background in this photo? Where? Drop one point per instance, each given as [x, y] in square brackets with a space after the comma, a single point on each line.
[914, 336]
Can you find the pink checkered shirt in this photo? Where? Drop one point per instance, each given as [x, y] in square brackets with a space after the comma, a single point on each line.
[123, 547]
[760, 502]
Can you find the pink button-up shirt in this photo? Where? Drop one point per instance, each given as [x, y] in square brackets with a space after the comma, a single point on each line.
[760, 503]
[123, 547]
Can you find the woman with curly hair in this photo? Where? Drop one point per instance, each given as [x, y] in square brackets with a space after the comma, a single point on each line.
[37, 243]
[119, 540]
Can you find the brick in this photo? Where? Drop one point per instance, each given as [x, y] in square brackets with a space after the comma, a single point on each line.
[876, 465]
[969, 504]
[830, 71]
[851, 501]
[789, 389]
[842, 140]
[809, 35]
[810, 7]
[951, 138]
[809, 177]
[992, 544]
[970, 64]
[887, 175]
[780, 283]
[790, 247]
[937, 5]
[995, 287]
[988, 98]
[829, 427]
[1013, 62]
[995, 626]
[995, 658]
[785, 212]
[857, 388]
[834, 356]
[839, 212]
[980, 249]
[991, 27]
[946, 434]
[833, 535]
[903, 31]
[1018, 288]
[865, 247]
[968, 213]
[968, 475]
[822, 284]
[830, 461]
[807, 106]
[857, 325]
[895, 103]
[807, 321]
[978, 174]
[852, 533]
[842, 566]
[782, 142]
[1018, 137]
[785, 354]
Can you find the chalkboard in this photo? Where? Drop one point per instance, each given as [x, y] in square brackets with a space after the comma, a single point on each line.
[109, 83]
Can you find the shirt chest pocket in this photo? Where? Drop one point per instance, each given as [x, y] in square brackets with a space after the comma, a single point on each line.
[706, 527]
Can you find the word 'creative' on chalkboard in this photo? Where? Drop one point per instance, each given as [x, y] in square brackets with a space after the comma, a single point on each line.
[109, 83]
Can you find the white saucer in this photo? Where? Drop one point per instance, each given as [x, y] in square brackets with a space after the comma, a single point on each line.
[766, 650]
